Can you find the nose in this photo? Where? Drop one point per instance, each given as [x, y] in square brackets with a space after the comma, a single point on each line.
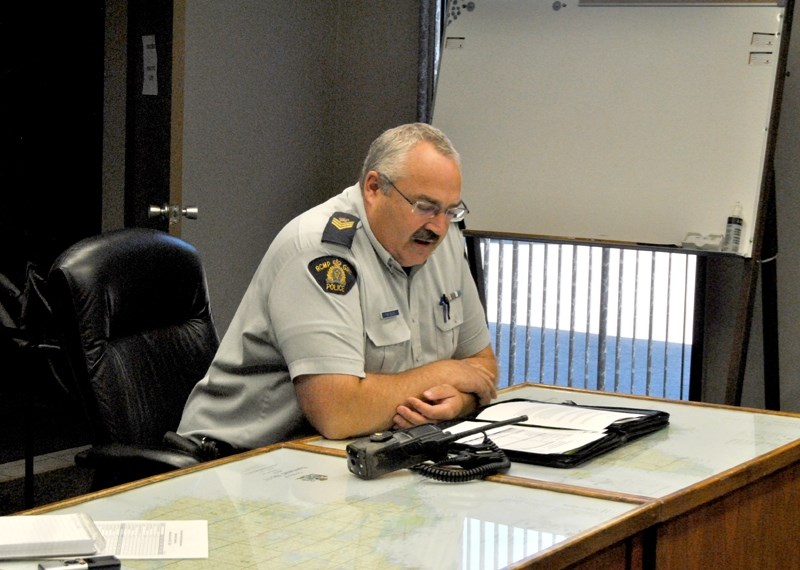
[439, 223]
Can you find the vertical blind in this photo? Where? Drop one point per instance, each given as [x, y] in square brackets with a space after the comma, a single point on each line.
[598, 317]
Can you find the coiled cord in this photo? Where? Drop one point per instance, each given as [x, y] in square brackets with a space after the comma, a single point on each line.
[466, 463]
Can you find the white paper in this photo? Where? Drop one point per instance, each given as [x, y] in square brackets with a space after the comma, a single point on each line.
[149, 66]
[530, 439]
[155, 539]
[555, 415]
[48, 535]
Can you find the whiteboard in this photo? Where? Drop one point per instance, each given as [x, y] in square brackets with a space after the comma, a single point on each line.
[635, 123]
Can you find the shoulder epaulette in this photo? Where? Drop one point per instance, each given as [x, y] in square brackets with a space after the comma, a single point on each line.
[341, 228]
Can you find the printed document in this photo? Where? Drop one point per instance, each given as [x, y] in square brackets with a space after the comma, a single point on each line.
[155, 539]
[549, 429]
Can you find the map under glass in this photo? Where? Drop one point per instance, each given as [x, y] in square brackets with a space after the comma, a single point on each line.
[294, 509]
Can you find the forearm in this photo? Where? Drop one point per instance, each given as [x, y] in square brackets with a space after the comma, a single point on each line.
[341, 406]
[487, 360]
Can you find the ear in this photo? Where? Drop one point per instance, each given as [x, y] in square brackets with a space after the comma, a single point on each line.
[372, 186]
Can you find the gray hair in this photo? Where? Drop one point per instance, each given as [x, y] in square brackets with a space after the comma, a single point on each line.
[387, 154]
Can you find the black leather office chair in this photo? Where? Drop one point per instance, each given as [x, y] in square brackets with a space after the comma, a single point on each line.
[133, 313]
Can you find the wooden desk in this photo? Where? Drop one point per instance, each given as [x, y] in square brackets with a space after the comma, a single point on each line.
[726, 481]
[719, 488]
[289, 508]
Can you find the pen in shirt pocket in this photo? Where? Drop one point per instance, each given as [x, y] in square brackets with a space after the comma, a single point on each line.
[444, 301]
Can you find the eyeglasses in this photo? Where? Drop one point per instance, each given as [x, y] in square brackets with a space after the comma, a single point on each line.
[426, 209]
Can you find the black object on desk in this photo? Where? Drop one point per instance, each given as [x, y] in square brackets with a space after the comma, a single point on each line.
[95, 562]
[387, 451]
[615, 435]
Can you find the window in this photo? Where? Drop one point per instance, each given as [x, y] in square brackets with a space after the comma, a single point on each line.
[597, 317]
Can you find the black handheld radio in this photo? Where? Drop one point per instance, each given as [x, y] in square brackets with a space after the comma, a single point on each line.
[387, 451]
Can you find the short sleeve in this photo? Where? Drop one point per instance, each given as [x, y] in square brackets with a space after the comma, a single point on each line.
[316, 315]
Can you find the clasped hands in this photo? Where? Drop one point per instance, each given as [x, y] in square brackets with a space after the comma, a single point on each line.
[471, 385]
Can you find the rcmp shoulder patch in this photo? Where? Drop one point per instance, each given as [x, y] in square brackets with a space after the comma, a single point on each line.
[341, 228]
[333, 274]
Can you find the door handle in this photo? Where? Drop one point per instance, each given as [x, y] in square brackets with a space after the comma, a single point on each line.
[173, 212]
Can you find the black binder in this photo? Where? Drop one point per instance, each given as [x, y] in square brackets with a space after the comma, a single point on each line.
[615, 434]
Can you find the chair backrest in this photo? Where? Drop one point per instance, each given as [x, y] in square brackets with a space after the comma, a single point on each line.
[134, 317]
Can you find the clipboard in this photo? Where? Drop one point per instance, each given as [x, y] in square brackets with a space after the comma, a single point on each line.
[637, 423]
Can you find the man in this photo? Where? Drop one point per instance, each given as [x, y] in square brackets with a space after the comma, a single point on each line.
[361, 317]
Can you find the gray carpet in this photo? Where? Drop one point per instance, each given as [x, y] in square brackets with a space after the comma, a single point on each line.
[48, 487]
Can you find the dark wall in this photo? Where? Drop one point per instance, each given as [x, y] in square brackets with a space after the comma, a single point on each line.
[51, 97]
[51, 102]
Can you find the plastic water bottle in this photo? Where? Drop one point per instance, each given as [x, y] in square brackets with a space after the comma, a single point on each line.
[733, 230]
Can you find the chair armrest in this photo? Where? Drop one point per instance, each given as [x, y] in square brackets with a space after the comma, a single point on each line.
[140, 460]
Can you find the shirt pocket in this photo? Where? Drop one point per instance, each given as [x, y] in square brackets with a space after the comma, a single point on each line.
[448, 324]
[388, 345]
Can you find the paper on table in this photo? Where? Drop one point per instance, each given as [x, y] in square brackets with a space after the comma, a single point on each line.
[41, 536]
[530, 439]
[555, 415]
[155, 539]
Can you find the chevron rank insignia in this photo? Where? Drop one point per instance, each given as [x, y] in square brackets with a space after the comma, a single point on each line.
[333, 274]
[341, 228]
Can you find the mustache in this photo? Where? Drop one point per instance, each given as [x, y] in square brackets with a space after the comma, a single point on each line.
[424, 234]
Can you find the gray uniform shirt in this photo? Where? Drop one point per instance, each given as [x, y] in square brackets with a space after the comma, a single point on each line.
[321, 307]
